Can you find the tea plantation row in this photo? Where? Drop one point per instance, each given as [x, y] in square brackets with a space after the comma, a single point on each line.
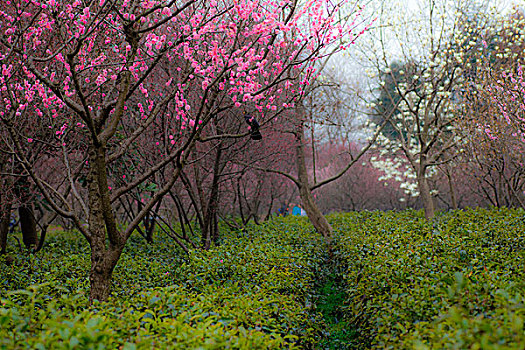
[454, 283]
[251, 292]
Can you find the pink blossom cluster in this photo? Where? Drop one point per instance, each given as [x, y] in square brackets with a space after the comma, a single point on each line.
[68, 63]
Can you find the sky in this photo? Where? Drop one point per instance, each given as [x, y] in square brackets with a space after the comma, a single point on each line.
[400, 17]
[354, 68]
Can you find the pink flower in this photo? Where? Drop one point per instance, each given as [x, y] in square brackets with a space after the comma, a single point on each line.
[29, 140]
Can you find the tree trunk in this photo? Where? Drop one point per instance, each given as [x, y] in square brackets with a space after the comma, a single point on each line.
[28, 225]
[5, 213]
[215, 232]
[25, 212]
[210, 215]
[451, 189]
[426, 197]
[5, 218]
[106, 247]
[103, 262]
[315, 216]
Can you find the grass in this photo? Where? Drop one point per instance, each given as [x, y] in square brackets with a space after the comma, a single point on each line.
[331, 291]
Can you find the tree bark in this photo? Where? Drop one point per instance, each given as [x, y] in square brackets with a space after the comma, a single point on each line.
[5, 217]
[25, 212]
[426, 197]
[103, 262]
[105, 253]
[451, 188]
[315, 216]
[5, 213]
[210, 215]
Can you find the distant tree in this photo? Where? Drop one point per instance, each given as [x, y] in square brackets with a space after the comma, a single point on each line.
[6, 198]
[437, 49]
[360, 188]
[386, 106]
[492, 110]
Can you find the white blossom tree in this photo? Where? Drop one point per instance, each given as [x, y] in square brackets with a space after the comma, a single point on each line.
[420, 61]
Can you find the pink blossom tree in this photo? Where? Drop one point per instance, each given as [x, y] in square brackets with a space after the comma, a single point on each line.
[19, 193]
[100, 76]
[360, 188]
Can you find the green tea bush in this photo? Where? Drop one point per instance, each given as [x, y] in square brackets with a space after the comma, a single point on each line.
[253, 291]
[453, 283]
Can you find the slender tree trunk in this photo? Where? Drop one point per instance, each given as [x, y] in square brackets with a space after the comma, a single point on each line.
[426, 197]
[269, 212]
[314, 214]
[451, 188]
[317, 218]
[5, 217]
[210, 216]
[215, 232]
[150, 222]
[5, 214]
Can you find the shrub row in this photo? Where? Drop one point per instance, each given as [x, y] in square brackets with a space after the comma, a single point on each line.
[251, 292]
[454, 283]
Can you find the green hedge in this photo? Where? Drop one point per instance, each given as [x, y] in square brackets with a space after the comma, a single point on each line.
[254, 291]
[454, 283]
